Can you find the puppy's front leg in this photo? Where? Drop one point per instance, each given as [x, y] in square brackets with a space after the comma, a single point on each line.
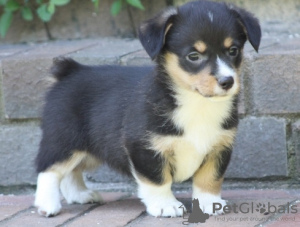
[159, 199]
[153, 175]
[208, 179]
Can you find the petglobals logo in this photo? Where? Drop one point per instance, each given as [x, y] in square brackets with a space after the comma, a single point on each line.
[199, 216]
[261, 208]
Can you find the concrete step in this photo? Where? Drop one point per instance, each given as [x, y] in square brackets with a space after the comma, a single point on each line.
[268, 141]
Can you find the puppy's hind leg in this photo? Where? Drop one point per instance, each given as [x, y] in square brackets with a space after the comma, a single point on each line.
[47, 197]
[74, 190]
[73, 187]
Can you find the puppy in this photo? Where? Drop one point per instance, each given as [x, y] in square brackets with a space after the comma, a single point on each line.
[162, 124]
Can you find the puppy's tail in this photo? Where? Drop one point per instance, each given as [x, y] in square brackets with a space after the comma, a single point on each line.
[63, 67]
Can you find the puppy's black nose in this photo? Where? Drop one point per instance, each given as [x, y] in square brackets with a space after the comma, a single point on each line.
[226, 82]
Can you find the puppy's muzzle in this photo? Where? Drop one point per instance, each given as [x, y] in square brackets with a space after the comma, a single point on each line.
[226, 82]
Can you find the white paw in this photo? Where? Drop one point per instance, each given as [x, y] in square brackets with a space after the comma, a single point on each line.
[48, 208]
[207, 201]
[159, 200]
[82, 197]
[47, 196]
[172, 208]
[207, 206]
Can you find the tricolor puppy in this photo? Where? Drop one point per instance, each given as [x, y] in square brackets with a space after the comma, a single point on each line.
[162, 124]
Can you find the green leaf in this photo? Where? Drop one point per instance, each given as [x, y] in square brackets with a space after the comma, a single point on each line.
[12, 6]
[51, 8]
[96, 4]
[136, 3]
[59, 2]
[43, 13]
[5, 22]
[3, 2]
[39, 2]
[116, 7]
[27, 13]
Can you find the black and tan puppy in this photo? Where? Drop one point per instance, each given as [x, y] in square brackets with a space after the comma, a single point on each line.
[160, 124]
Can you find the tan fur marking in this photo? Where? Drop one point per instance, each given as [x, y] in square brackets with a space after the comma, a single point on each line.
[200, 46]
[226, 140]
[203, 82]
[162, 144]
[204, 178]
[79, 160]
[228, 42]
[88, 163]
[166, 31]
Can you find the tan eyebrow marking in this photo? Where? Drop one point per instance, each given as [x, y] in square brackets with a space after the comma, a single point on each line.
[228, 42]
[200, 46]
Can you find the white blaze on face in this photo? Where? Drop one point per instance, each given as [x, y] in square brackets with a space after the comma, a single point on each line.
[225, 71]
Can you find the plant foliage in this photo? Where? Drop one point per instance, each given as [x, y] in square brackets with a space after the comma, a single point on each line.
[117, 5]
[45, 9]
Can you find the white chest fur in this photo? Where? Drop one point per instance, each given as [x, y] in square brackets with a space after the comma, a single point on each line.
[201, 120]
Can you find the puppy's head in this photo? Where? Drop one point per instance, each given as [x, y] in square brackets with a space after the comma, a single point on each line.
[200, 45]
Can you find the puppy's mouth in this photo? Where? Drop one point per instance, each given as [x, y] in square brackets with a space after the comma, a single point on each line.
[211, 95]
[216, 93]
[217, 98]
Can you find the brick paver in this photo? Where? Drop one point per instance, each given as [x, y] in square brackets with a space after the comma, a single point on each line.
[113, 214]
[286, 219]
[10, 205]
[18, 210]
[124, 209]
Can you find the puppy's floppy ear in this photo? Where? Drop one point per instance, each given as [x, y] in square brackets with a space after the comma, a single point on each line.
[152, 32]
[251, 25]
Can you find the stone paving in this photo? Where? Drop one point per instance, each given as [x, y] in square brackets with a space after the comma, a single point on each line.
[278, 208]
[269, 102]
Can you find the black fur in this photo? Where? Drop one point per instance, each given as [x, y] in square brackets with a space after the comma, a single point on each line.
[147, 163]
[63, 67]
[78, 116]
[222, 161]
[233, 120]
[250, 24]
[152, 32]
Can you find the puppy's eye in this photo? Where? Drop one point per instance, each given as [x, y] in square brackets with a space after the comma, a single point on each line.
[193, 56]
[233, 51]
